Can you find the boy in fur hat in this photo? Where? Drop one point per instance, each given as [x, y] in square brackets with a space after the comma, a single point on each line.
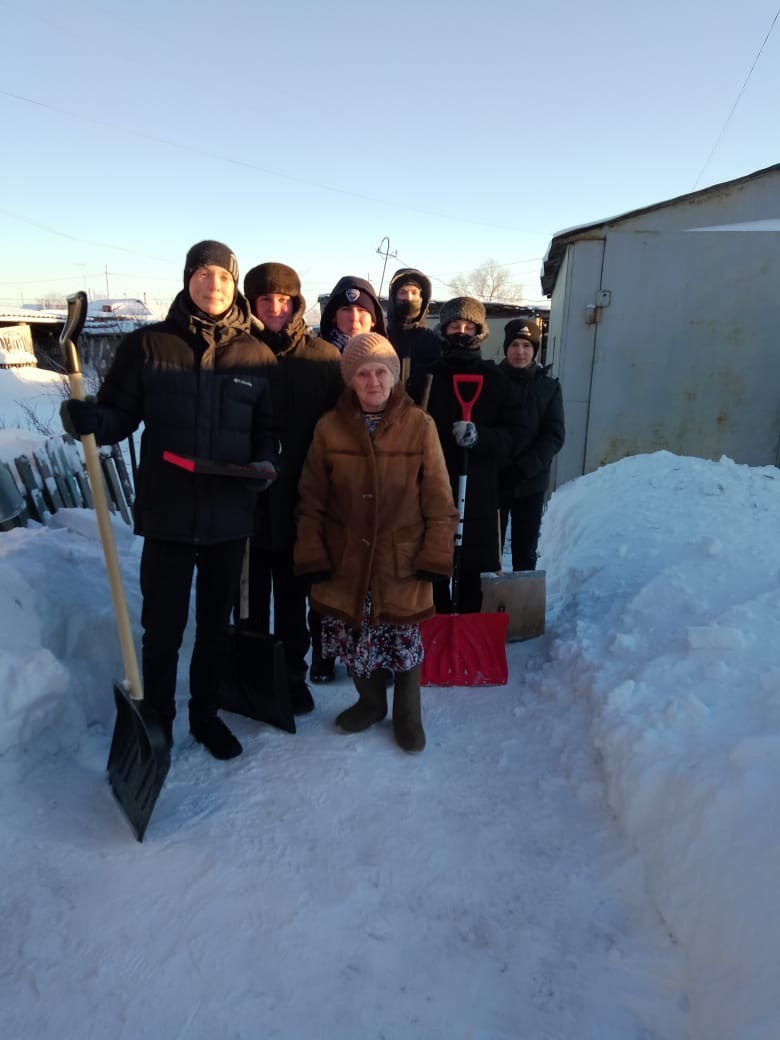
[305, 383]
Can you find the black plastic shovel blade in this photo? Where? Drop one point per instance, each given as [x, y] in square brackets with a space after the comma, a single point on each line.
[255, 680]
[138, 761]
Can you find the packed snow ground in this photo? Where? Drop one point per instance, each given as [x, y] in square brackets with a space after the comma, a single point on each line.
[589, 851]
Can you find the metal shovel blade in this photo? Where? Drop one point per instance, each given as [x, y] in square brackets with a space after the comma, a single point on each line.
[138, 761]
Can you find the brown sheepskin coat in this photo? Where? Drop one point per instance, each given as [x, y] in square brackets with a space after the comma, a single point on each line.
[375, 511]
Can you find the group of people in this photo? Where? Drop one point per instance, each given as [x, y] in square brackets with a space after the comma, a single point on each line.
[351, 532]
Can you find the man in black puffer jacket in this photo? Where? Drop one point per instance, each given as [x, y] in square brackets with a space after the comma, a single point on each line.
[305, 382]
[539, 401]
[198, 382]
[409, 297]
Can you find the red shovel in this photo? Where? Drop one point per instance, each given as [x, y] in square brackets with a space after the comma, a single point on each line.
[464, 649]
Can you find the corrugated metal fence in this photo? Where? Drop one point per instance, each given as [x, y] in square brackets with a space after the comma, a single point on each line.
[54, 477]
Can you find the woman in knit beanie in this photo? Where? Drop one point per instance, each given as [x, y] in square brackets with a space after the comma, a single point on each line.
[376, 525]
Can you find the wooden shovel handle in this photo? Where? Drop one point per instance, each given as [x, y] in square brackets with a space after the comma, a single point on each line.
[100, 500]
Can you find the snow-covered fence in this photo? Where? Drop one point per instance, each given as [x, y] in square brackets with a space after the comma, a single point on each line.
[54, 477]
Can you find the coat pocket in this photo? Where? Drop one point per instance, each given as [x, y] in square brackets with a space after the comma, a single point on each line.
[406, 546]
[336, 544]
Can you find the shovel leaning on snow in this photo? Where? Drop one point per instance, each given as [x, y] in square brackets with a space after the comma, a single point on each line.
[139, 758]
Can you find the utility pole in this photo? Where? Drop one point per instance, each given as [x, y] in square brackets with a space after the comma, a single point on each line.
[108, 294]
[385, 253]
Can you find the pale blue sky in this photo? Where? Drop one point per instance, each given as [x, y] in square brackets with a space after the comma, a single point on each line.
[308, 132]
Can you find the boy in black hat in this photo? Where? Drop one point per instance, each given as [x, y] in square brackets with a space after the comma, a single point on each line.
[409, 297]
[539, 401]
[198, 382]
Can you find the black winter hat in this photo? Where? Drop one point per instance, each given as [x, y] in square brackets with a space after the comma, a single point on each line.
[347, 292]
[210, 252]
[407, 276]
[271, 278]
[522, 328]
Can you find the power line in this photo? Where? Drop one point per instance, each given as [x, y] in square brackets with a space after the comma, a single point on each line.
[281, 174]
[74, 238]
[739, 97]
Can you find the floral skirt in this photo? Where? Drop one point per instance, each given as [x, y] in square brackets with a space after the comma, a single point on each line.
[363, 651]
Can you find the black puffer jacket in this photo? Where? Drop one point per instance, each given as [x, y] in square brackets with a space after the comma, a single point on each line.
[200, 388]
[305, 383]
[411, 337]
[496, 419]
[539, 401]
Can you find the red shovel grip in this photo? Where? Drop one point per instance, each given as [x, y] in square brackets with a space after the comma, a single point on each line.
[460, 379]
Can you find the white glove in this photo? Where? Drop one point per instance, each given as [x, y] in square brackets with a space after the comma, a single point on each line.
[465, 434]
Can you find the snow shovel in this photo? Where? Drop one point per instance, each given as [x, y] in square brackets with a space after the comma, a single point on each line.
[254, 682]
[139, 758]
[260, 478]
[464, 649]
[522, 594]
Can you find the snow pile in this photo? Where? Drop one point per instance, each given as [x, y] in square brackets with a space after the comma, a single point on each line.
[30, 399]
[669, 571]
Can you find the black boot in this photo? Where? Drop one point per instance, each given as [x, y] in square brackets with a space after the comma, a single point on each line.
[371, 708]
[210, 731]
[300, 697]
[323, 669]
[407, 722]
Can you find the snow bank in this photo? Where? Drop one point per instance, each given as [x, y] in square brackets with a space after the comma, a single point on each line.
[668, 576]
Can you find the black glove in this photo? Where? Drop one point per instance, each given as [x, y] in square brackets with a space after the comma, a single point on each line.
[318, 577]
[269, 471]
[430, 576]
[79, 417]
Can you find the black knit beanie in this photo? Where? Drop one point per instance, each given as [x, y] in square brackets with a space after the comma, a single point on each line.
[271, 278]
[210, 252]
[522, 328]
[353, 297]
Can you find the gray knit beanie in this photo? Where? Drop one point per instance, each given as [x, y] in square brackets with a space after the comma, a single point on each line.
[464, 308]
[365, 347]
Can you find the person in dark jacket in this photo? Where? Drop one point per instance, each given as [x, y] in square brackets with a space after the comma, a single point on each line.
[409, 297]
[352, 308]
[482, 444]
[523, 483]
[198, 382]
[305, 382]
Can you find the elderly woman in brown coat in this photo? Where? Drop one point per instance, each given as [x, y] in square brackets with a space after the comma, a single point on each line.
[376, 524]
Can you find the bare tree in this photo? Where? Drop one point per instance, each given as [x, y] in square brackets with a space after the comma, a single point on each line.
[489, 281]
